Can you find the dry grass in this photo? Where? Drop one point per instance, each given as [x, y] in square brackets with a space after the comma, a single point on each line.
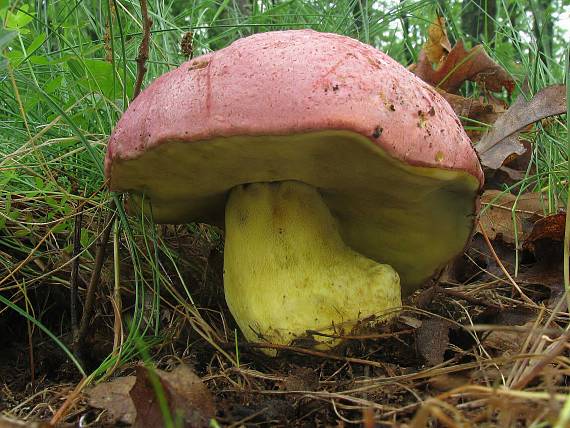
[503, 362]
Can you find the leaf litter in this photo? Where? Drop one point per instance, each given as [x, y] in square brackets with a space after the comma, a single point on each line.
[503, 139]
[447, 69]
[509, 217]
[134, 399]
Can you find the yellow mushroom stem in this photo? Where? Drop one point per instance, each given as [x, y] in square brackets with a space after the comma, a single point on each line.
[287, 269]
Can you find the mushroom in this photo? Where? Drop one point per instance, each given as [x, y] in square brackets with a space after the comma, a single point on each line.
[343, 180]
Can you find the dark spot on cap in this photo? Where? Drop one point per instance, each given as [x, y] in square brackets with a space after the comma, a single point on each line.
[431, 111]
[377, 132]
[197, 65]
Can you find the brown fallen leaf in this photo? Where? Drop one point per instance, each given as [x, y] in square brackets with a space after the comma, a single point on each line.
[514, 169]
[432, 339]
[13, 423]
[517, 162]
[551, 228]
[447, 382]
[132, 399]
[495, 156]
[541, 236]
[467, 107]
[188, 399]
[502, 140]
[546, 242]
[437, 45]
[546, 239]
[301, 379]
[114, 397]
[461, 65]
[497, 218]
[505, 342]
[473, 110]
[548, 276]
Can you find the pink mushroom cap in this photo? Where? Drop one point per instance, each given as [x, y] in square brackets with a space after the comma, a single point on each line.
[382, 146]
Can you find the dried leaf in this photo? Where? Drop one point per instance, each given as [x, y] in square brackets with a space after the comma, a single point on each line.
[514, 174]
[545, 275]
[496, 155]
[301, 379]
[505, 342]
[498, 220]
[437, 45]
[447, 382]
[461, 65]
[114, 397]
[483, 111]
[432, 339]
[13, 423]
[502, 140]
[551, 227]
[514, 168]
[520, 162]
[186, 395]
[467, 107]
[481, 258]
[546, 239]
[148, 413]
[410, 321]
[544, 278]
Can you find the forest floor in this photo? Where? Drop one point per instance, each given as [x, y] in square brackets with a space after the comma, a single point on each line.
[468, 350]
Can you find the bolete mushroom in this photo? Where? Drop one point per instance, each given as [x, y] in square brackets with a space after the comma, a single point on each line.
[339, 175]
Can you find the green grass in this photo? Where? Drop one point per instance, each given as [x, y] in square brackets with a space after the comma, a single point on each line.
[67, 73]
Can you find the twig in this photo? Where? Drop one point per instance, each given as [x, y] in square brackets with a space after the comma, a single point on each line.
[30, 338]
[368, 417]
[93, 283]
[75, 271]
[69, 402]
[505, 271]
[567, 222]
[554, 352]
[466, 297]
[313, 353]
[143, 48]
[116, 300]
[361, 336]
